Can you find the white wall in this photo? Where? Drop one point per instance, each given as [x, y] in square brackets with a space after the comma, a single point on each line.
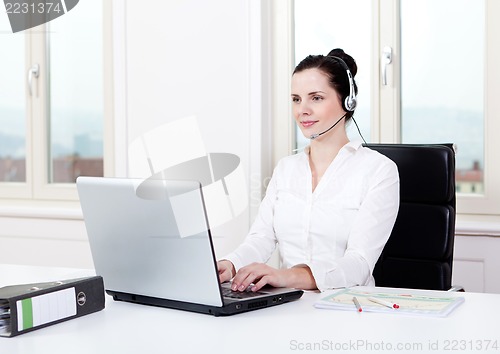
[476, 263]
[44, 240]
[202, 58]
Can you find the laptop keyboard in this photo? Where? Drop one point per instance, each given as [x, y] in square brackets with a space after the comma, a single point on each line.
[240, 295]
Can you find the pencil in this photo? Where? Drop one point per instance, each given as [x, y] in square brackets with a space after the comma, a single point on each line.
[356, 303]
[384, 303]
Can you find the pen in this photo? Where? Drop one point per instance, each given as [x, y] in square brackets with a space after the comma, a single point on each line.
[356, 303]
[384, 303]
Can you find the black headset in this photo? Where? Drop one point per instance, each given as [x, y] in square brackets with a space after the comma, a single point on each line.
[349, 104]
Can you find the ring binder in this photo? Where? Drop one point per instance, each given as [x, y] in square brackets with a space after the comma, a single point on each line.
[27, 307]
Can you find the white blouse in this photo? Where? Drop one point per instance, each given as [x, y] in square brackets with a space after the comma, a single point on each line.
[339, 230]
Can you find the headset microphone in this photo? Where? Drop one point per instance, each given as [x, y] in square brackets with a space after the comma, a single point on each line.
[314, 136]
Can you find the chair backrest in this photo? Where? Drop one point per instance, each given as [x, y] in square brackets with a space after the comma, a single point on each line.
[419, 253]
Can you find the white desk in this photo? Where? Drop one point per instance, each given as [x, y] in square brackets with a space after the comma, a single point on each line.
[290, 328]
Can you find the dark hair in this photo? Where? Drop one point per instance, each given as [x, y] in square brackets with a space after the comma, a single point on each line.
[335, 70]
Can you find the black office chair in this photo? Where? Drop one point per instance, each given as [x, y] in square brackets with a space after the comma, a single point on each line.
[419, 253]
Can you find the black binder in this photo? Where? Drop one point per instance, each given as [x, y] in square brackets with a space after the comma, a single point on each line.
[27, 307]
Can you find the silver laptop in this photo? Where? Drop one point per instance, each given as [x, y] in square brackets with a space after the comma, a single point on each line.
[151, 243]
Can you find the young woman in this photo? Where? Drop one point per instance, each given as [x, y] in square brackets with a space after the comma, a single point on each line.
[330, 208]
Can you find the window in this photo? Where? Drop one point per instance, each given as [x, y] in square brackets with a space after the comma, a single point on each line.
[441, 89]
[52, 104]
[12, 106]
[440, 86]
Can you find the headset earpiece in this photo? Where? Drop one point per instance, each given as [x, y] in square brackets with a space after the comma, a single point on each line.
[350, 101]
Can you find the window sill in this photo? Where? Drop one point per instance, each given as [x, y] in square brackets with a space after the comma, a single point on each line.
[41, 210]
[477, 225]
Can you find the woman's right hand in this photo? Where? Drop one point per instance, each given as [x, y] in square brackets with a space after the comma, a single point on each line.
[226, 270]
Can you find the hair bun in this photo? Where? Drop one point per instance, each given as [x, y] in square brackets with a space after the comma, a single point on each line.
[351, 63]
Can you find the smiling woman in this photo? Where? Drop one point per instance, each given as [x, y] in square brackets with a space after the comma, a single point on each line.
[331, 208]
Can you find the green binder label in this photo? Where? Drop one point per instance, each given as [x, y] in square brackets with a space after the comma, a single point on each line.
[27, 307]
[42, 309]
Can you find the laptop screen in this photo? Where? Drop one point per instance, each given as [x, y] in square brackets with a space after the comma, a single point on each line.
[150, 237]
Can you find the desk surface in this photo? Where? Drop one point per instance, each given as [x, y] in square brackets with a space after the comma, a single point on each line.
[295, 327]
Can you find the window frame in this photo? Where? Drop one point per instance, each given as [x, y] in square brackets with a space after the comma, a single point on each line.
[385, 115]
[389, 99]
[37, 188]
